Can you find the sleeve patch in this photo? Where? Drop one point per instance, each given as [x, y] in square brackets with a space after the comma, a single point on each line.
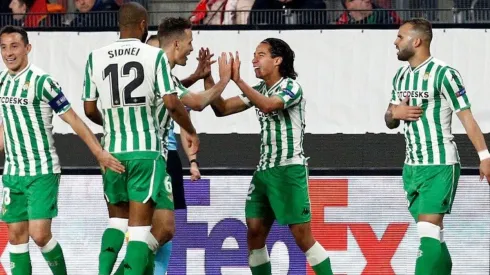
[461, 92]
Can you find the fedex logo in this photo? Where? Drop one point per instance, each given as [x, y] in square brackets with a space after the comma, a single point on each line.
[213, 227]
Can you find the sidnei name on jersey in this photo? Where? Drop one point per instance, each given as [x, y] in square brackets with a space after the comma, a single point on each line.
[12, 100]
[119, 52]
[413, 94]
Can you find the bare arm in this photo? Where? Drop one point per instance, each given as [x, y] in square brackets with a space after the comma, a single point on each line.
[472, 130]
[105, 159]
[264, 103]
[391, 123]
[92, 112]
[185, 145]
[199, 101]
[225, 107]
[178, 113]
[190, 80]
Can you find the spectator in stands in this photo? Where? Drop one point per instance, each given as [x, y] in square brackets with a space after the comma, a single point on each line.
[87, 16]
[366, 12]
[29, 13]
[209, 12]
[237, 12]
[281, 12]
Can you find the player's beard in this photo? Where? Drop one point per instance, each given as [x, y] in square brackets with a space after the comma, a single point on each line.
[405, 54]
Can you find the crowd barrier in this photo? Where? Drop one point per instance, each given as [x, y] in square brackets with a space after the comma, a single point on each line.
[360, 217]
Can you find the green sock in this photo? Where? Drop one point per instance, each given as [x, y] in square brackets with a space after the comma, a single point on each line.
[135, 261]
[323, 268]
[150, 267]
[20, 263]
[445, 263]
[429, 254]
[263, 269]
[55, 260]
[120, 269]
[112, 242]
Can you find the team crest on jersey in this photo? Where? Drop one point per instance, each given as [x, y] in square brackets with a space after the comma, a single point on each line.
[26, 86]
[426, 76]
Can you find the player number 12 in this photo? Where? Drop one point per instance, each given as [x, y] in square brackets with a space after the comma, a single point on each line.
[112, 71]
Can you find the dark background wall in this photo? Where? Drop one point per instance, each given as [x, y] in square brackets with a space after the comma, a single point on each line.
[242, 151]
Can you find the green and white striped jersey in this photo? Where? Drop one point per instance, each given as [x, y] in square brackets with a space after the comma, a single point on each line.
[130, 78]
[282, 131]
[27, 102]
[439, 90]
[164, 117]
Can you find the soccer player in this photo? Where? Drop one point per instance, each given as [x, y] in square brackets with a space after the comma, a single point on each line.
[174, 165]
[426, 93]
[132, 80]
[279, 187]
[31, 175]
[175, 38]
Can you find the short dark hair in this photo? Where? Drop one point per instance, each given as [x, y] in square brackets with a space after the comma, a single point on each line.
[422, 26]
[15, 29]
[172, 26]
[279, 48]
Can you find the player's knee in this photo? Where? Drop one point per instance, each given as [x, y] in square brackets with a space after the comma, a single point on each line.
[256, 234]
[18, 234]
[40, 237]
[302, 235]
[164, 232]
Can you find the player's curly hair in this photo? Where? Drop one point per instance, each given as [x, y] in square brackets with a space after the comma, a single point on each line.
[279, 48]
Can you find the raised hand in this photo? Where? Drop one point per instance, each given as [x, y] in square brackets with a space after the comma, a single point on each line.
[235, 76]
[203, 69]
[225, 67]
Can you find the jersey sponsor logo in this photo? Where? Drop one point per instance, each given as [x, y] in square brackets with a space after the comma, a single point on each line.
[461, 92]
[262, 114]
[13, 100]
[412, 94]
[120, 52]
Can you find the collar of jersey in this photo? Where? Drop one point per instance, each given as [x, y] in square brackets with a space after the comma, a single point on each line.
[421, 65]
[19, 74]
[275, 85]
[127, 39]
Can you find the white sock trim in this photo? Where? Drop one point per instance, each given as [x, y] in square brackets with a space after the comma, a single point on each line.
[430, 230]
[18, 248]
[49, 246]
[152, 243]
[316, 254]
[258, 257]
[139, 233]
[119, 224]
[442, 236]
